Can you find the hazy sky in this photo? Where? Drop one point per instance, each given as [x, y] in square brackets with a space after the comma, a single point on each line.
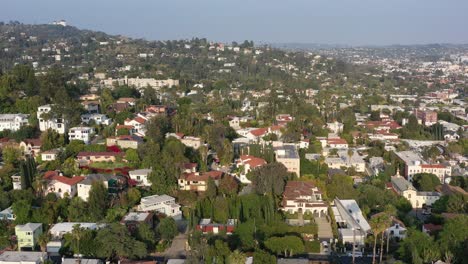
[353, 22]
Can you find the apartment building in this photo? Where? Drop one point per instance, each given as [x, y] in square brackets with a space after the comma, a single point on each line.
[288, 156]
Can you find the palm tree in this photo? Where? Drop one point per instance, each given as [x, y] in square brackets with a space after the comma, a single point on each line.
[386, 223]
[42, 240]
[377, 227]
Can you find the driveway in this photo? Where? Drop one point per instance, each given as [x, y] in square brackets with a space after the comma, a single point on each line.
[177, 249]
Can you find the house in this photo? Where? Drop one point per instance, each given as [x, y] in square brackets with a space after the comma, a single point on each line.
[303, 197]
[206, 226]
[98, 119]
[414, 164]
[15, 257]
[124, 142]
[13, 122]
[16, 180]
[85, 158]
[346, 160]
[140, 177]
[111, 182]
[192, 142]
[289, 157]
[133, 219]
[62, 186]
[337, 143]
[163, 204]
[417, 199]
[50, 155]
[7, 214]
[27, 235]
[48, 121]
[352, 226]
[247, 163]
[31, 146]
[126, 100]
[397, 230]
[431, 229]
[335, 127]
[138, 124]
[198, 182]
[91, 107]
[58, 230]
[84, 134]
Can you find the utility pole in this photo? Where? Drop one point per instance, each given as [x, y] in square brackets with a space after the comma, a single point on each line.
[354, 242]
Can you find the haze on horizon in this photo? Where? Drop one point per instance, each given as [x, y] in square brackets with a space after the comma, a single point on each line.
[346, 22]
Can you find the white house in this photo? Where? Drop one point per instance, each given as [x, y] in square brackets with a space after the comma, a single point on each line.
[140, 177]
[60, 229]
[97, 118]
[347, 161]
[62, 186]
[417, 199]
[303, 197]
[164, 204]
[352, 226]
[84, 134]
[57, 124]
[335, 127]
[247, 163]
[49, 155]
[22, 257]
[84, 187]
[138, 124]
[7, 214]
[13, 122]
[397, 230]
[16, 180]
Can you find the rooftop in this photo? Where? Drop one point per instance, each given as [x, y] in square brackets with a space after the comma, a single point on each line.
[22, 256]
[286, 152]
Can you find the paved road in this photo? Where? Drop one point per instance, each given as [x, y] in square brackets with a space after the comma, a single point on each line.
[177, 249]
[178, 246]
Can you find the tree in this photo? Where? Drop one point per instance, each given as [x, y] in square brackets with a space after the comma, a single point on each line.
[263, 257]
[162, 182]
[236, 257]
[226, 152]
[11, 154]
[146, 234]
[50, 140]
[341, 186]
[228, 186]
[157, 127]
[167, 228]
[454, 237]
[288, 245]
[211, 189]
[115, 242]
[43, 239]
[98, 201]
[425, 182]
[131, 155]
[23, 211]
[270, 178]
[77, 210]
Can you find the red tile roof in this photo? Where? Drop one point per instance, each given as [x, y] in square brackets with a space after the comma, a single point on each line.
[259, 132]
[337, 141]
[295, 189]
[68, 181]
[252, 161]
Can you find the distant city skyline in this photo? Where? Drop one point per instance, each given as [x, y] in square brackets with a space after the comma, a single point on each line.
[349, 22]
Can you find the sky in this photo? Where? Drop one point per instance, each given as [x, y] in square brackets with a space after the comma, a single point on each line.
[347, 22]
